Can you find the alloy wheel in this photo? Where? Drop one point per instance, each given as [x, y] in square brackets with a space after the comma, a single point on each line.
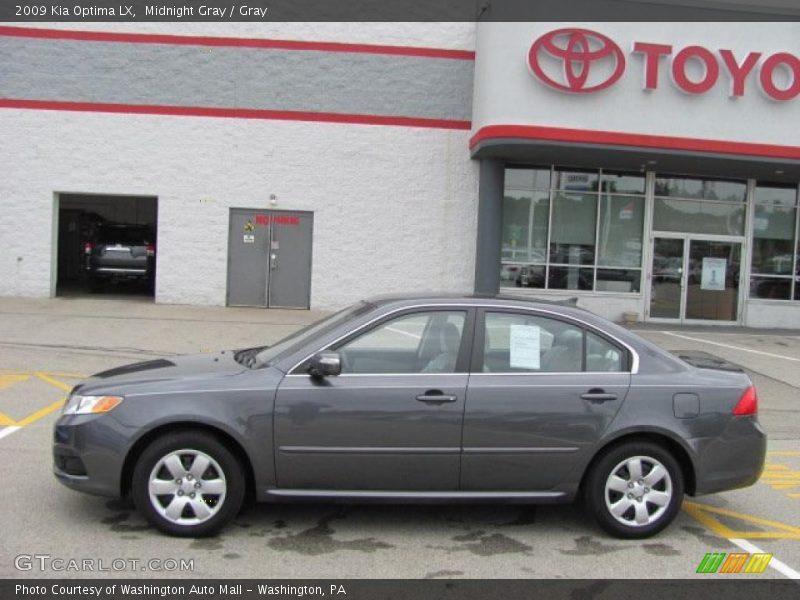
[638, 491]
[187, 487]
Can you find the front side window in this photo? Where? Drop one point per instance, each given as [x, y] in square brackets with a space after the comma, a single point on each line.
[572, 230]
[523, 343]
[424, 342]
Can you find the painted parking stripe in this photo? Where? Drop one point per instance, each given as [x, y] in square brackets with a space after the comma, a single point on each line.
[12, 426]
[731, 347]
[776, 564]
[54, 382]
[706, 515]
[6, 431]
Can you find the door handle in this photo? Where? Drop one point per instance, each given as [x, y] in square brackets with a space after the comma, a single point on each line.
[597, 396]
[436, 397]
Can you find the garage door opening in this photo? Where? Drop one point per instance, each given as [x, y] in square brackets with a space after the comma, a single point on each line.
[106, 245]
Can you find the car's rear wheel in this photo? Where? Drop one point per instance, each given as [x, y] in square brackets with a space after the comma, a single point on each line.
[635, 490]
[188, 484]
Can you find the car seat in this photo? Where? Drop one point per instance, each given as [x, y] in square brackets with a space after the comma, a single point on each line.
[445, 361]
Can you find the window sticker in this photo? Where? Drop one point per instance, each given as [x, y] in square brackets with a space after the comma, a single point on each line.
[525, 346]
[713, 274]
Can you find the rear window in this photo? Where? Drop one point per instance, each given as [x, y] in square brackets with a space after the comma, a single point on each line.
[128, 236]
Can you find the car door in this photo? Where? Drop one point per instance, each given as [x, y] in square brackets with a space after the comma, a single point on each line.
[541, 393]
[391, 420]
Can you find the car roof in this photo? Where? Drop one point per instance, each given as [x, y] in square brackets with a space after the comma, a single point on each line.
[476, 299]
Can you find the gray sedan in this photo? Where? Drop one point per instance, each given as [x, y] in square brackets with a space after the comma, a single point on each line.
[492, 399]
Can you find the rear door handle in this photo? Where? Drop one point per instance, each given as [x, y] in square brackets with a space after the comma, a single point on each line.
[436, 397]
[596, 396]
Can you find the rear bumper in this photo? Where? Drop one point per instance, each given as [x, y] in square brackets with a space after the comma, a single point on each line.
[732, 460]
[121, 270]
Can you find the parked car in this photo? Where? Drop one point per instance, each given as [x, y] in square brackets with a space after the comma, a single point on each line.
[419, 398]
[531, 276]
[120, 251]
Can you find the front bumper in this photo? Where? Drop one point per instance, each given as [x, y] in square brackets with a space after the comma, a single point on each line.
[89, 453]
[732, 460]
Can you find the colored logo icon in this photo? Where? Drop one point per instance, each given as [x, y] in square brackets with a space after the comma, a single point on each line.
[579, 52]
[735, 562]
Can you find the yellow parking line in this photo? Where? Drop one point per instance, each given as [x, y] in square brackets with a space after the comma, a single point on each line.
[12, 377]
[43, 412]
[54, 382]
[703, 514]
[9, 379]
[783, 453]
[67, 375]
[52, 373]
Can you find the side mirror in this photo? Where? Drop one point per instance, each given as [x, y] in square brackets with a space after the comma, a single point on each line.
[325, 364]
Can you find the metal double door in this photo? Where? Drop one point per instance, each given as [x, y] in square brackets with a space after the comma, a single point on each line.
[269, 258]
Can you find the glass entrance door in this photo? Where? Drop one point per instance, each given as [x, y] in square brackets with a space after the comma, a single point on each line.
[712, 289]
[695, 279]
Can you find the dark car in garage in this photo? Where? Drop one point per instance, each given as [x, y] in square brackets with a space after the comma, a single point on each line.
[120, 252]
[424, 398]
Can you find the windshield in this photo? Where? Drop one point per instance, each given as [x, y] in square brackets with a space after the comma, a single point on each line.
[294, 341]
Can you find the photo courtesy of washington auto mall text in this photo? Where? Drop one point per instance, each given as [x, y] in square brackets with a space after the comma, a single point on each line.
[200, 589]
[438, 300]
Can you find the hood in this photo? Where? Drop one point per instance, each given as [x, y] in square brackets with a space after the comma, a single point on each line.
[193, 366]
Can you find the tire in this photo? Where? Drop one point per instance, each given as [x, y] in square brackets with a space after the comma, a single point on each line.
[644, 505]
[183, 509]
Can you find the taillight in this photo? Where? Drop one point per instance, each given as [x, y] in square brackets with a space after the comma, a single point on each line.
[87, 248]
[748, 403]
[151, 250]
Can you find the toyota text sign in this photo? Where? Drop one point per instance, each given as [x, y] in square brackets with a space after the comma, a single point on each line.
[582, 61]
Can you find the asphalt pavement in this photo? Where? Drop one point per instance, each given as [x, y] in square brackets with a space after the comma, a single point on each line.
[47, 345]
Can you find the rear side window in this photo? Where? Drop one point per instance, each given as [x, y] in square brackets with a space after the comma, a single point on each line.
[522, 343]
[602, 355]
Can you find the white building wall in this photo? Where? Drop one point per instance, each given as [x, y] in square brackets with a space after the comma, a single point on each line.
[451, 36]
[394, 207]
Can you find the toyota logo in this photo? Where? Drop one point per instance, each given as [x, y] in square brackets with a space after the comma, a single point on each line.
[588, 61]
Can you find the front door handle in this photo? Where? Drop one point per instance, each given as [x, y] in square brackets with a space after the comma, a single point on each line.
[597, 395]
[436, 397]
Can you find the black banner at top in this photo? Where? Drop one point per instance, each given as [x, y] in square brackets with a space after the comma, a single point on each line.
[132, 11]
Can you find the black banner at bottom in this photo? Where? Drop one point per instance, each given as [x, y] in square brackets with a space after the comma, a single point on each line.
[352, 589]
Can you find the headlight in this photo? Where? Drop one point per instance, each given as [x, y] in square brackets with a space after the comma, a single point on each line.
[85, 405]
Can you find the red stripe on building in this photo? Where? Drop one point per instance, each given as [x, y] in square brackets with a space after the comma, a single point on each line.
[235, 113]
[191, 40]
[635, 140]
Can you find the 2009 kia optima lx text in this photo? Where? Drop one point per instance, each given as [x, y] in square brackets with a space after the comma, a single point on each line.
[419, 398]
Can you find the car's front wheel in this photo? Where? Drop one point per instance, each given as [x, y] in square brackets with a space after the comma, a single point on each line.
[635, 490]
[188, 484]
